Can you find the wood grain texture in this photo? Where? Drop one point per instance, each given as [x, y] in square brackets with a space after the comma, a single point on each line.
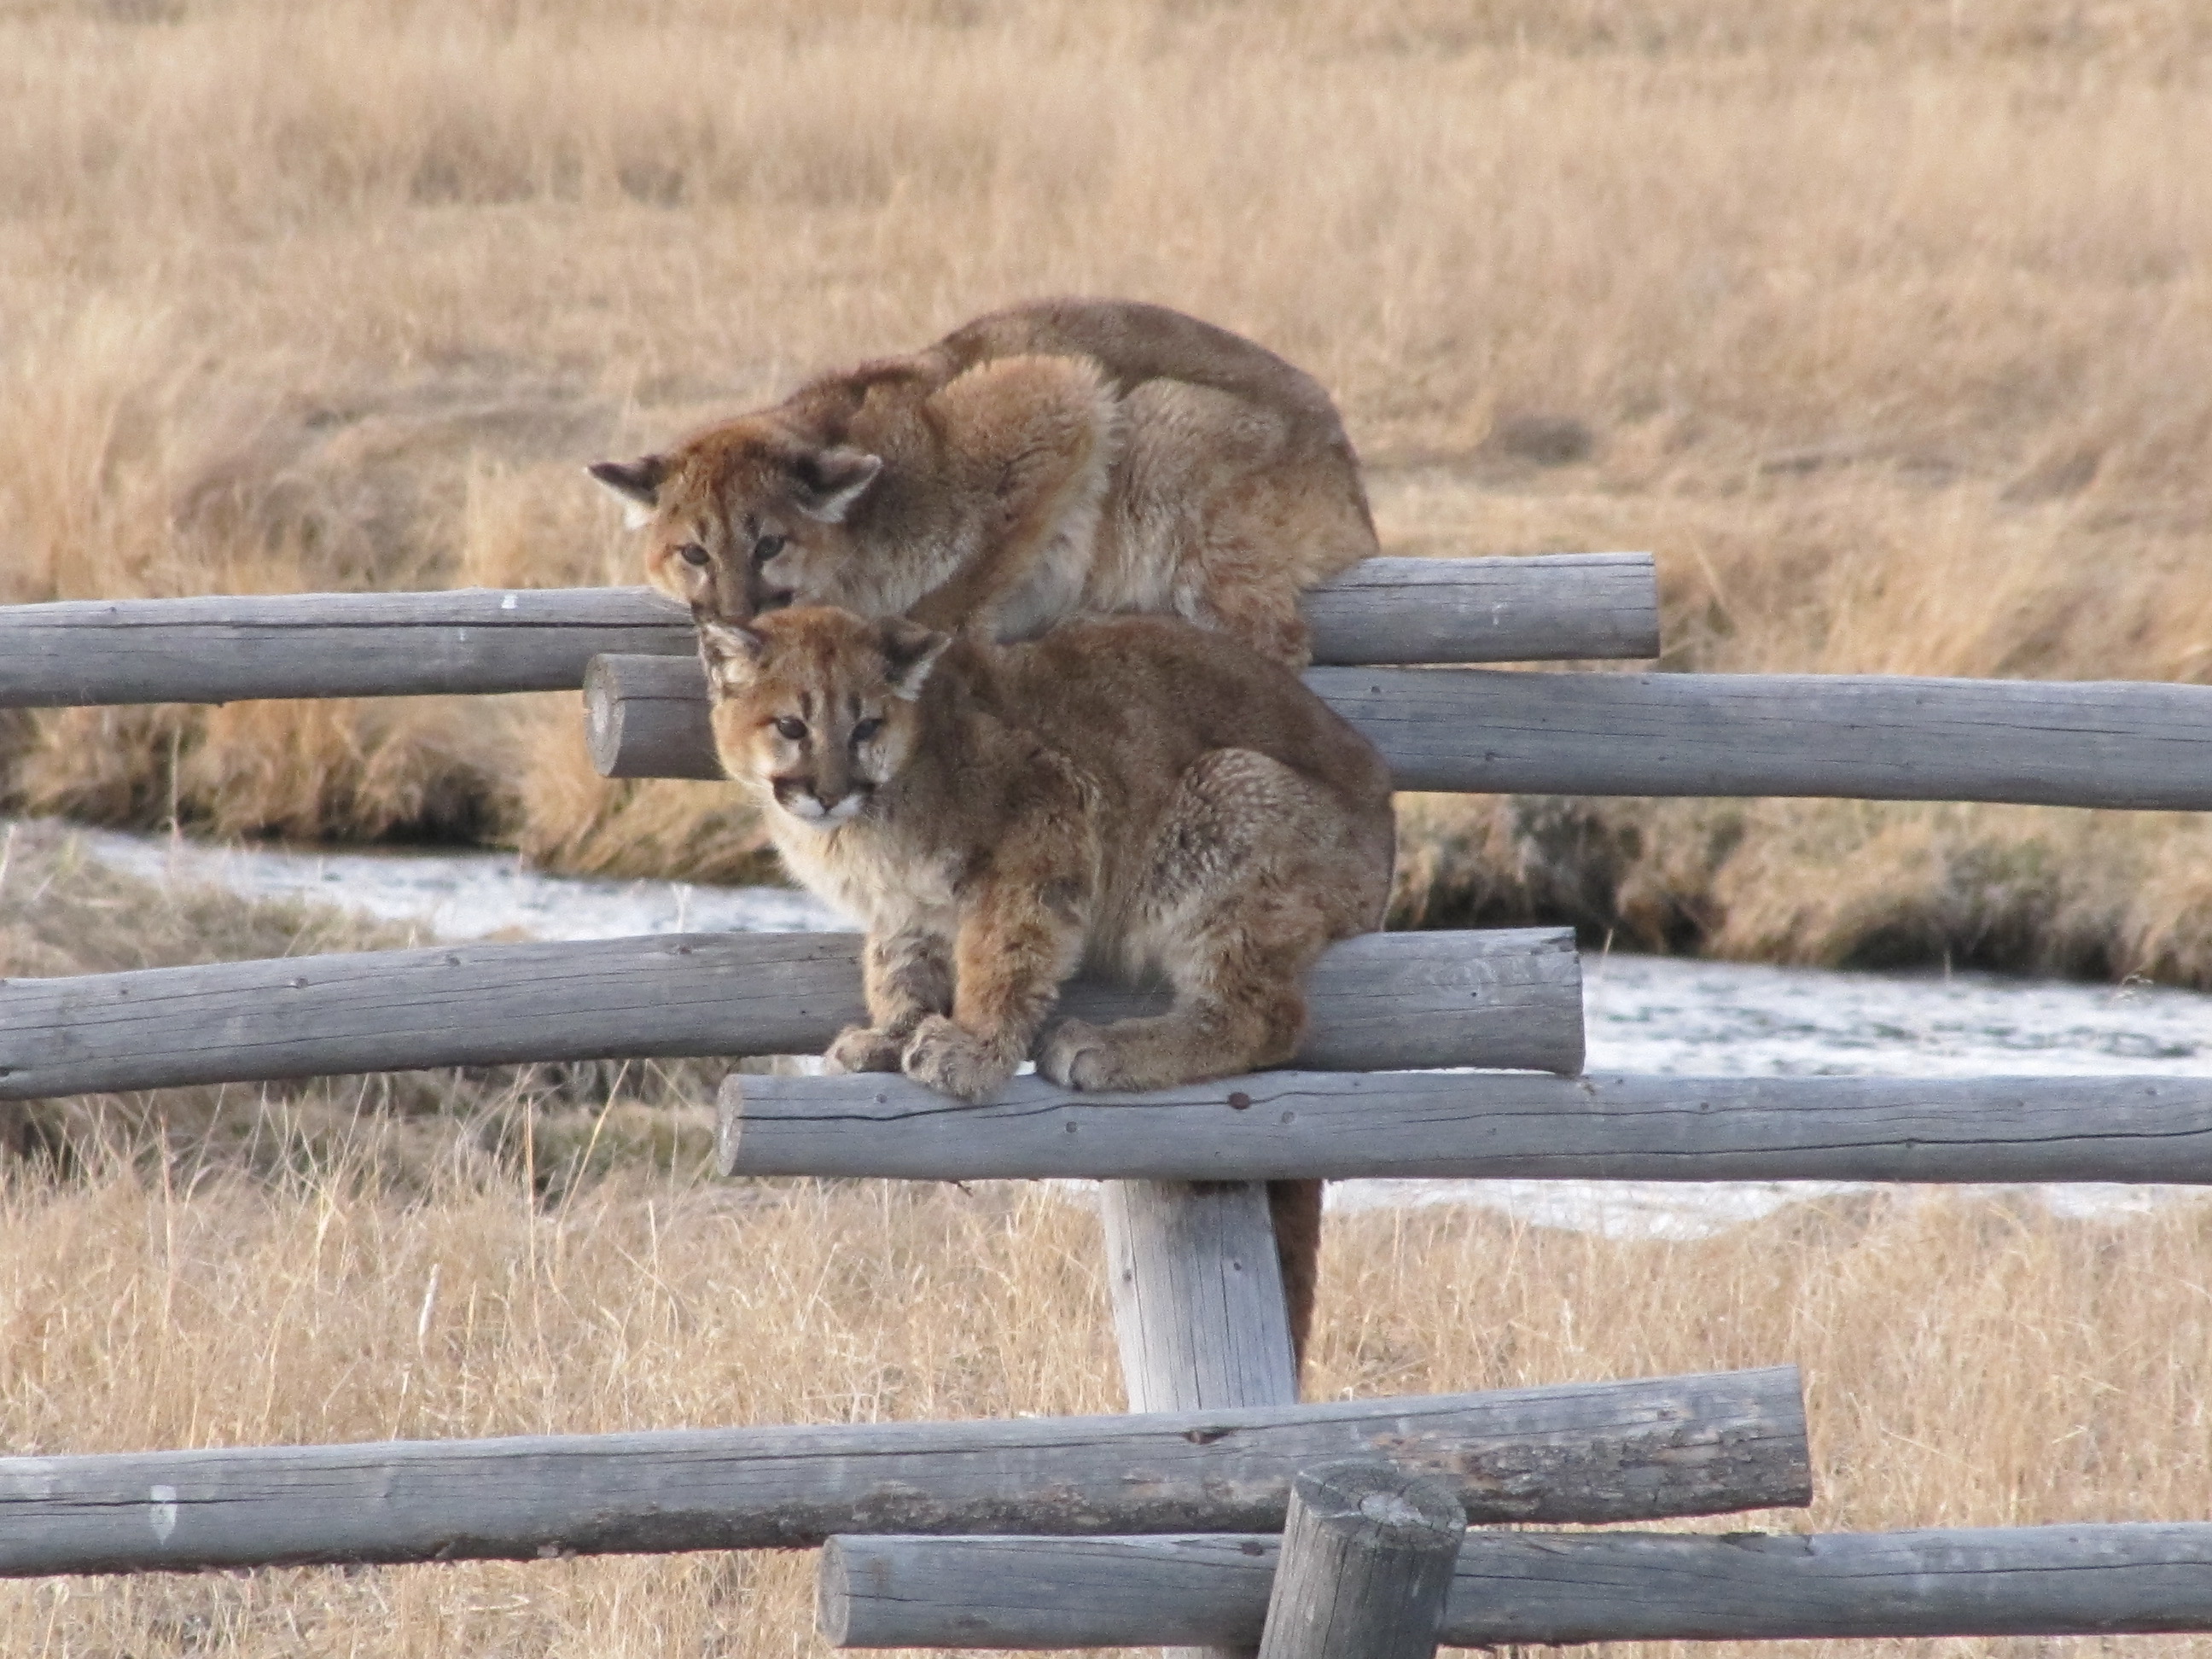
[1511, 997]
[1538, 1589]
[1497, 609]
[1583, 1452]
[647, 717]
[2112, 744]
[1199, 1312]
[1366, 1562]
[224, 649]
[1485, 1125]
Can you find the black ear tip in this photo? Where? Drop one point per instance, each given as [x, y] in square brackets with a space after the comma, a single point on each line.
[637, 479]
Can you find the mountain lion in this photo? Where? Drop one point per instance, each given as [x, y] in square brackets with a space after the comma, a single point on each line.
[1061, 458]
[1126, 793]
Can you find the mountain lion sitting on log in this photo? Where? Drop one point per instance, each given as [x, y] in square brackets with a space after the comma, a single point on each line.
[1060, 457]
[1126, 794]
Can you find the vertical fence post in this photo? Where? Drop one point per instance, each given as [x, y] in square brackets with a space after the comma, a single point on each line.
[1367, 1560]
[1198, 1311]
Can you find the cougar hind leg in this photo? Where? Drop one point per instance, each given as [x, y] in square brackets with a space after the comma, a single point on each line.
[1237, 905]
[1255, 869]
[1295, 1208]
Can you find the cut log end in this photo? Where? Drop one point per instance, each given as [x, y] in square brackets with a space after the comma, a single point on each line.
[1368, 1551]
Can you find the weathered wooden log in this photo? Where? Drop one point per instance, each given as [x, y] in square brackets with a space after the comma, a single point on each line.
[646, 717]
[1200, 1316]
[1534, 609]
[1485, 1125]
[1367, 1559]
[1506, 997]
[225, 648]
[1605, 1451]
[222, 648]
[2116, 744]
[1538, 1589]
[1199, 1312]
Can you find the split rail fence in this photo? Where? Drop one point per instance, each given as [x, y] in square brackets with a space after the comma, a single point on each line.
[1167, 1527]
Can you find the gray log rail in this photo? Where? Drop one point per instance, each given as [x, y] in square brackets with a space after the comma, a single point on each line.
[1594, 1452]
[1513, 1589]
[2101, 742]
[1366, 1563]
[1485, 1125]
[225, 648]
[1199, 1314]
[1511, 997]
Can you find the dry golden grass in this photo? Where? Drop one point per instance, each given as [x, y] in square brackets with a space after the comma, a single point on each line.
[538, 1250]
[1969, 1359]
[62, 913]
[1888, 326]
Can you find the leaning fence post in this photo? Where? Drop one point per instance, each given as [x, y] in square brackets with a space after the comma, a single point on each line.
[1199, 1309]
[1367, 1560]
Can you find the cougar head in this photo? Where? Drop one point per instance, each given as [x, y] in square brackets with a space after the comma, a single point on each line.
[816, 707]
[747, 518]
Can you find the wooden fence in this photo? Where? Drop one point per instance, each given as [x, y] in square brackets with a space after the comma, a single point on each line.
[1511, 1588]
[1198, 1302]
[228, 649]
[2088, 743]
[1589, 1452]
[1504, 998]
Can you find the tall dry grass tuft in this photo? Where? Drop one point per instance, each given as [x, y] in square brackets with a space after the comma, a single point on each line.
[1885, 325]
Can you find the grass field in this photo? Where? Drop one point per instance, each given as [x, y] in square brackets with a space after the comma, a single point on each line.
[539, 1248]
[1886, 326]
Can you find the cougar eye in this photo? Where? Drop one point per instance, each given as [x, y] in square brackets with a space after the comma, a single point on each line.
[692, 553]
[863, 730]
[766, 549]
[791, 729]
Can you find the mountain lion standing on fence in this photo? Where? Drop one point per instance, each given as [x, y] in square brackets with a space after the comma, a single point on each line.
[1060, 457]
[1124, 792]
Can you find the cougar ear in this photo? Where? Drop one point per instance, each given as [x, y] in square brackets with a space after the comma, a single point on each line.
[827, 481]
[730, 651]
[912, 651]
[638, 483]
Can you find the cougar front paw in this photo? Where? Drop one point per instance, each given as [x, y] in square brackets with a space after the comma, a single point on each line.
[863, 1048]
[1077, 1054]
[941, 1056]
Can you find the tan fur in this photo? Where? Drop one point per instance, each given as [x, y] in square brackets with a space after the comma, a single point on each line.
[1124, 792]
[1063, 458]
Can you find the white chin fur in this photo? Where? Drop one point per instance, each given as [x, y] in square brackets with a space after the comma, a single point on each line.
[811, 812]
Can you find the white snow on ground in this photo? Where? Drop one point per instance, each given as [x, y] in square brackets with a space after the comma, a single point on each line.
[1645, 1013]
[1707, 1018]
[465, 895]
